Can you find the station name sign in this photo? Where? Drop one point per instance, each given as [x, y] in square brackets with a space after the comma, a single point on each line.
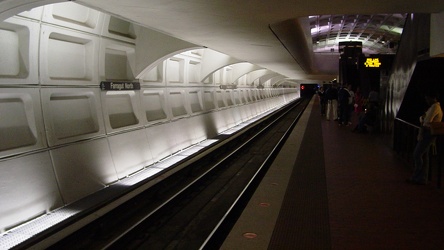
[228, 86]
[119, 86]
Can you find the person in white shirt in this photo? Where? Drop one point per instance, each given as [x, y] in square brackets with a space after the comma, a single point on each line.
[425, 140]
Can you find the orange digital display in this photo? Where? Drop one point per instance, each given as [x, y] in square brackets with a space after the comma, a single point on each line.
[372, 63]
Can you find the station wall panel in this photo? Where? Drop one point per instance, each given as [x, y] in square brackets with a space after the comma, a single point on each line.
[243, 113]
[199, 133]
[21, 123]
[260, 107]
[161, 141]
[257, 94]
[242, 81]
[194, 68]
[253, 108]
[250, 110]
[208, 100]
[195, 100]
[121, 110]
[282, 99]
[267, 104]
[220, 99]
[236, 97]
[252, 94]
[18, 56]
[228, 97]
[72, 114]
[68, 57]
[73, 16]
[177, 103]
[228, 117]
[199, 126]
[83, 168]
[64, 138]
[117, 60]
[247, 95]
[175, 70]
[183, 133]
[154, 106]
[242, 95]
[237, 116]
[218, 77]
[154, 76]
[130, 152]
[260, 94]
[209, 125]
[119, 29]
[218, 121]
[29, 189]
[228, 75]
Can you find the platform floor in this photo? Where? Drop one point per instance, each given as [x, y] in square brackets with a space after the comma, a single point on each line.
[330, 188]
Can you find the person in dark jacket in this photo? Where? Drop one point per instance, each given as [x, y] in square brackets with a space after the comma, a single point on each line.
[344, 100]
[332, 102]
[322, 99]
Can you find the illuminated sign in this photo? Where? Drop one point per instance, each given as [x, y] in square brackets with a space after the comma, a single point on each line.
[119, 86]
[372, 63]
[229, 86]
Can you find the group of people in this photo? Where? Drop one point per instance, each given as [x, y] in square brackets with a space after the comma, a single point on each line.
[338, 104]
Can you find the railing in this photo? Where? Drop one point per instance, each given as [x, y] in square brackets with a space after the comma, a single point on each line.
[404, 142]
[404, 139]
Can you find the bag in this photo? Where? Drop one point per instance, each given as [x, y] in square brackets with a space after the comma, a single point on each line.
[437, 128]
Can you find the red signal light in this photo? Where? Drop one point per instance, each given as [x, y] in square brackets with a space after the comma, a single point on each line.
[302, 87]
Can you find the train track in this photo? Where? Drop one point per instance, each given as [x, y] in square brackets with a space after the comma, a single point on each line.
[196, 207]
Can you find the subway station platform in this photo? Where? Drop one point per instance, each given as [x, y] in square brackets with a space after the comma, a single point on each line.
[330, 188]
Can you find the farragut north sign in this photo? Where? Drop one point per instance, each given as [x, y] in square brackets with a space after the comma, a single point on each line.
[118, 86]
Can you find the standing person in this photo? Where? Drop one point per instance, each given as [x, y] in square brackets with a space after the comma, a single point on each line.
[332, 102]
[351, 102]
[322, 99]
[359, 101]
[344, 105]
[425, 139]
[373, 97]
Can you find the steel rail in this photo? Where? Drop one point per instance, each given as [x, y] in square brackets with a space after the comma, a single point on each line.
[213, 167]
[262, 168]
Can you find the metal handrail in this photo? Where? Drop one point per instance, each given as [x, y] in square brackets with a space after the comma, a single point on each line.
[404, 139]
[404, 142]
[408, 123]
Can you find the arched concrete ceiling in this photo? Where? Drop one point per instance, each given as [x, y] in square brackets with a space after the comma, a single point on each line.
[241, 29]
